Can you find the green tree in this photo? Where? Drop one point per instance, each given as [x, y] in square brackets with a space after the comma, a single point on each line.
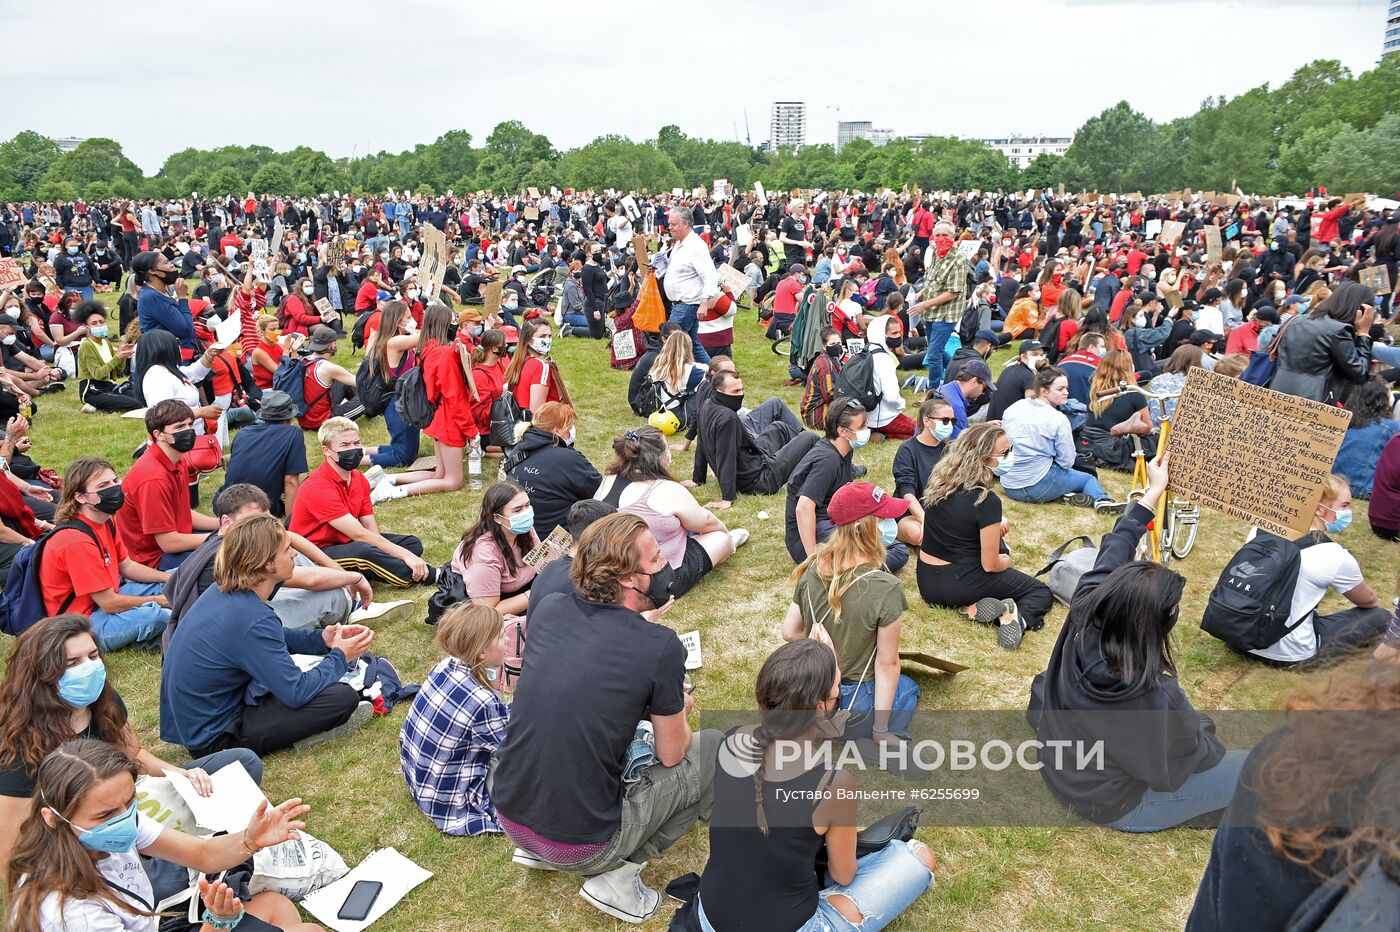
[97, 191]
[225, 181]
[1298, 160]
[617, 162]
[1363, 160]
[1045, 171]
[272, 178]
[1106, 142]
[26, 159]
[97, 159]
[513, 150]
[56, 191]
[314, 173]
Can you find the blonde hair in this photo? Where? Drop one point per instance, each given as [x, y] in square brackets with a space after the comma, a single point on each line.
[838, 558]
[466, 631]
[265, 322]
[250, 545]
[673, 363]
[963, 467]
[333, 428]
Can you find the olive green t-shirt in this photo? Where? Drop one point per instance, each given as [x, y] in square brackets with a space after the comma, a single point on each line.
[869, 604]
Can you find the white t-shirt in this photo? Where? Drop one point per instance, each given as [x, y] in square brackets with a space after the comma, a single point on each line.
[122, 871]
[1323, 566]
[622, 228]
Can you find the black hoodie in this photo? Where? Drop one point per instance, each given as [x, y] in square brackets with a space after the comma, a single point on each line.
[553, 473]
[1152, 740]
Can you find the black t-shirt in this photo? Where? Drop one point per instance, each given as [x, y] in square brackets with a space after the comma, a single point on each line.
[591, 673]
[1011, 388]
[913, 462]
[471, 285]
[822, 471]
[1122, 408]
[553, 578]
[17, 780]
[793, 230]
[953, 527]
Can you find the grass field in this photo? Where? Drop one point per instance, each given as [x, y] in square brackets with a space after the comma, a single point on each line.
[989, 879]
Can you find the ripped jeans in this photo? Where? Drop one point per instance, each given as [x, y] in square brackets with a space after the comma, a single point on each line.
[886, 884]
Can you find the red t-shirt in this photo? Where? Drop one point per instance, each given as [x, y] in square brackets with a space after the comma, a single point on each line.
[322, 498]
[367, 296]
[923, 224]
[534, 372]
[785, 296]
[157, 502]
[263, 377]
[74, 564]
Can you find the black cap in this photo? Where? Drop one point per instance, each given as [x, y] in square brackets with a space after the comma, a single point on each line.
[1202, 337]
[1030, 346]
[1212, 294]
[796, 267]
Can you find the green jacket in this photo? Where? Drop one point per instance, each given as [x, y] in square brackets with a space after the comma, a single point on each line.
[92, 368]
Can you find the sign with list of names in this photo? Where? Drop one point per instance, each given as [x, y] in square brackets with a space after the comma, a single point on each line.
[1253, 453]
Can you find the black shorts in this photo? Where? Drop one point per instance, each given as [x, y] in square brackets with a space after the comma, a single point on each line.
[694, 565]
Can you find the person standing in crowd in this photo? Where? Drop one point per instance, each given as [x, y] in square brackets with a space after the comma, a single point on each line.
[594, 282]
[943, 300]
[692, 283]
[557, 778]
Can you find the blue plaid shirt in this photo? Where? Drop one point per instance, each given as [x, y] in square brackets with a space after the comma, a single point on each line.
[453, 727]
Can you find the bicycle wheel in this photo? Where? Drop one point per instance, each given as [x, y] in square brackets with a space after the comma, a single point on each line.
[1186, 523]
[782, 345]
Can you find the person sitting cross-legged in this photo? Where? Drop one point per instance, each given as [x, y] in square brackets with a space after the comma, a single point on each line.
[158, 527]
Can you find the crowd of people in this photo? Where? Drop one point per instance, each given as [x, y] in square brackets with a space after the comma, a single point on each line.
[888, 311]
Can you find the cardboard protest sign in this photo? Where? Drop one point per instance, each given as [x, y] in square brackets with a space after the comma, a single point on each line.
[1060, 190]
[11, 275]
[491, 298]
[432, 267]
[737, 281]
[933, 661]
[698, 192]
[1213, 246]
[1253, 453]
[639, 248]
[325, 308]
[551, 548]
[533, 192]
[530, 213]
[1171, 231]
[1377, 279]
[335, 252]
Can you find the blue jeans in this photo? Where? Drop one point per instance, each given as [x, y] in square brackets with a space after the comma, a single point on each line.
[171, 560]
[1056, 484]
[218, 761]
[685, 316]
[141, 623]
[936, 359]
[887, 883]
[403, 441]
[1203, 792]
[578, 322]
[862, 698]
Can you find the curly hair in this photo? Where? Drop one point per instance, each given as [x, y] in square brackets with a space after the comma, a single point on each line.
[963, 467]
[606, 554]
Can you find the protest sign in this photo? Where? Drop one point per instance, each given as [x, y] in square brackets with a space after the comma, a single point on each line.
[533, 192]
[737, 281]
[1152, 228]
[325, 308]
[257, 251]
[721, 188]
[553, 547]
[762, 196]
[1253, 453]
[491, 298]
[743, 236]
[279, 234]
[11, 275]
[698, 192]
[1377, 279]
[432, 267]
[629, 204]
[968, 248]
[639, 249]
[335, 252]
[1213, 247]
[677, 192]
[1171, 231]
[1232, 231]
[530, 213]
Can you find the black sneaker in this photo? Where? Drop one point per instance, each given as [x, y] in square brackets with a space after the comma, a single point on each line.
[1079, 500]
[858, 471]
[1011, 630]
[988, 610]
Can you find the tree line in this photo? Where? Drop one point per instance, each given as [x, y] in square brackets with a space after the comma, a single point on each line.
[1323, 126]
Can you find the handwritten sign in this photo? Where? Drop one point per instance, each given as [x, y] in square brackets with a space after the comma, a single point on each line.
[1213, 246]
[432, 266]
[335, 253]
[258, 254]
[533, 192]
[721, 188]
[1171, 231]
[551, 548]
[1253, 453]
[1377, 279]
[11, 275]
[530, 214]
[737, 282]
[325, 308]
[491, 298]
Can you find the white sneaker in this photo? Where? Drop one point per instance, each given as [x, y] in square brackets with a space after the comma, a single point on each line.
[385, 492]
[621, 894]
[375, 475]
[740, 537]
[89, 409]
[534, 862]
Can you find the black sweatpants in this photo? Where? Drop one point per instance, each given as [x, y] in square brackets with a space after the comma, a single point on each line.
[271, 725]
[101, 395]
[959, 585]
[364, 558]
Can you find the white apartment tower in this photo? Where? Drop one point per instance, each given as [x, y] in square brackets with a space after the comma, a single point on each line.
[789, 126]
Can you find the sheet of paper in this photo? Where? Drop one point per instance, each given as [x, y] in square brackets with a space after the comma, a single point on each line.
[137, 415]
[691, 642]
[375, 610]
[227, 332]
[397, 873]
[232, 804]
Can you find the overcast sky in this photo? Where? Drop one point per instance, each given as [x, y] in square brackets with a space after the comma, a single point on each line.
[370, 75]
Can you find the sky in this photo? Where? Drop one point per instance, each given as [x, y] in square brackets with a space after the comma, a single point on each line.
[363, 76]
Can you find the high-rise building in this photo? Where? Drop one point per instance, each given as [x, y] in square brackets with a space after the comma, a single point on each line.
[851, 130]
[68, 143]
[1392, 29]
[789, 125]
[1022, 150]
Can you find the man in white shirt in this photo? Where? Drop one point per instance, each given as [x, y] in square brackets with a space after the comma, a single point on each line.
[692, 282]
[1209, 316]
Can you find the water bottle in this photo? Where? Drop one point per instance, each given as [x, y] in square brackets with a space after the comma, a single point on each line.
[474, 471]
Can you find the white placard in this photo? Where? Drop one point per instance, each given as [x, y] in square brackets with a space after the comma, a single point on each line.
[258, 253]
[232, 804]
[762, 196]
[227, 332]
[629, 204]
[743, 235]
[691, 642]
[1152, 228]
[397, 873]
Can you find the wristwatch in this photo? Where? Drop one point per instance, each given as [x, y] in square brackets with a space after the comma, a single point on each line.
[221, 923]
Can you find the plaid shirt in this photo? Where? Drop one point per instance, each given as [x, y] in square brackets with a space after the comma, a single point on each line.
[445, 748]
[946, 274]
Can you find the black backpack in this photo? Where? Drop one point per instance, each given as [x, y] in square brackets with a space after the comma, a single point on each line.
[357, 333]
[414, 406]
[1251, 603]
[857, 380]
[374, 393]
[1049, 337]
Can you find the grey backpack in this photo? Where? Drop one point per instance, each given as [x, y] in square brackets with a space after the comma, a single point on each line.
[1066, 569]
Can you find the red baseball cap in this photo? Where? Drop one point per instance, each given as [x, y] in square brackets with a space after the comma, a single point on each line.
[858, 499]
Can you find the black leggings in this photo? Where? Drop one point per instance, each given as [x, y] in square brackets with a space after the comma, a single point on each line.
[959, 585]
[102, 397]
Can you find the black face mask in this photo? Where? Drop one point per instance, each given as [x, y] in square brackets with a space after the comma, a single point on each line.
[110, 500]
[660, 589]
[349, 460]
[834, 351]
[894, 342]
[732, 402]
[182, 441]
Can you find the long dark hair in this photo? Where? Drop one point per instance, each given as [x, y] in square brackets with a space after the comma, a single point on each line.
[1370, 402]
[1341, 305]
[33, 720]
[436, 321]
[496, 498]
[1134, 610]
[791, 682]
[159, 348]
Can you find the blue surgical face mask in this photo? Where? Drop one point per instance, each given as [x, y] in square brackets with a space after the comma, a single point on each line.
[1005, 463]
[99, 331]
[81, 685]
[861, 439]
[943, 431]
[1340, 522]
[115, 836]
[72, 250]
[889, 530]
[523, 522]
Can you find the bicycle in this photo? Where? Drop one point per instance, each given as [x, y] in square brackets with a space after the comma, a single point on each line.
[1172, 531]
